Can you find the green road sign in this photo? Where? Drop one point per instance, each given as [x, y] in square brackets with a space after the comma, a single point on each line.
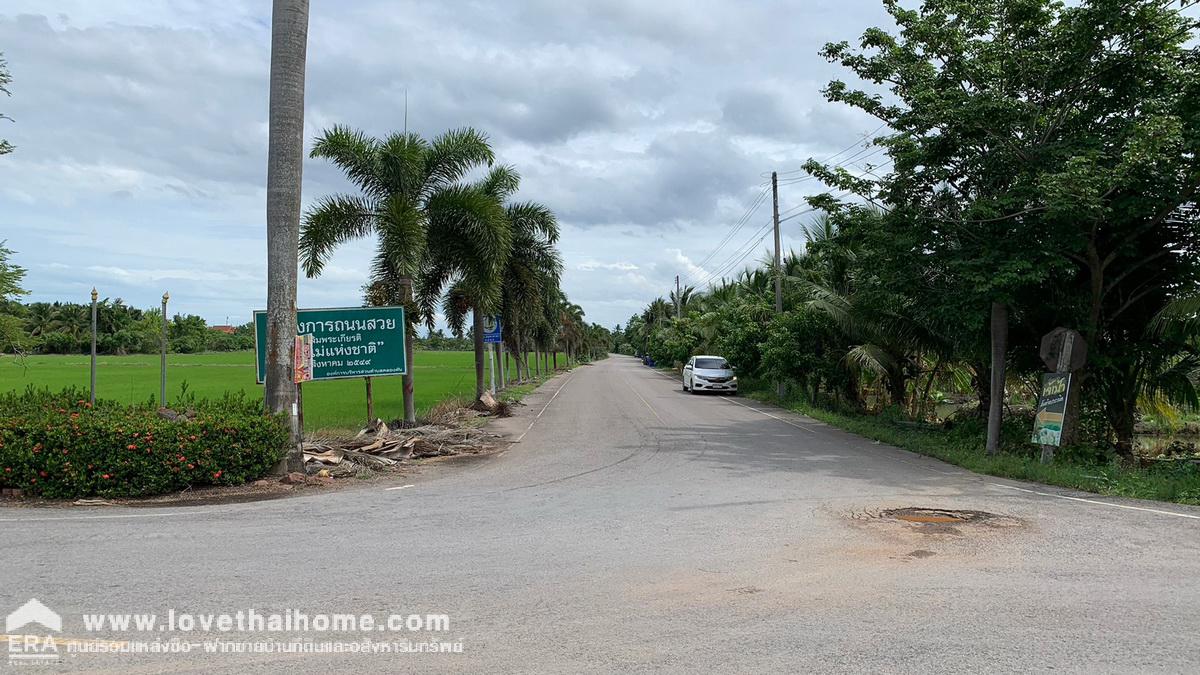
[347, 341]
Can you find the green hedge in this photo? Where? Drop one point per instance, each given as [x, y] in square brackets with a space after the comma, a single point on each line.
[57, 445]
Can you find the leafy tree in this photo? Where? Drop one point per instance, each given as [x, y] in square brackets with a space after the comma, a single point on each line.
[188, 334]
[11, 275]
[1043, 156]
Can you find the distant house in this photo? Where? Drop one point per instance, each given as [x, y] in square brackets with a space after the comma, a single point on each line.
[228, 330]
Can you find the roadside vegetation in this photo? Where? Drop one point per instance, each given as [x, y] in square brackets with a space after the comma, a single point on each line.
[1037, 169]
[58, 445]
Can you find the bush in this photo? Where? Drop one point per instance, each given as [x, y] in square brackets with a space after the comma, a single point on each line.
[55, 444]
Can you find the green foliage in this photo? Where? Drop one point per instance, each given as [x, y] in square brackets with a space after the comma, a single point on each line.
[739, 334]
[803, 347]
[11, 273]
[57, 445]
[188, 334]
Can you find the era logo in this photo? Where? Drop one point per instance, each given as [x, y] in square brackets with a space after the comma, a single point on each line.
[22, 647]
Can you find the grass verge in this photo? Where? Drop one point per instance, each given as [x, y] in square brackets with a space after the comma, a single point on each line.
[963, 445]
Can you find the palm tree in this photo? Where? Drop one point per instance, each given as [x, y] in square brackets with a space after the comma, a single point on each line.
[285, 160]
[469, 246]
[409, 188]
[531, 279]
[40, 318]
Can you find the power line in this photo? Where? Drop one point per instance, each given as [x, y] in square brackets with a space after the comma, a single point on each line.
[848, 148]
[760, 198]
[738, 254]
[741, 222]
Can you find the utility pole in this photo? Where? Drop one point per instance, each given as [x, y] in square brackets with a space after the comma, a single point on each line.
[778, 263]
[678, 300]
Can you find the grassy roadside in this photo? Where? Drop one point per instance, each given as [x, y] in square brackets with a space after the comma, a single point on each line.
[330, 405]
[963, 445]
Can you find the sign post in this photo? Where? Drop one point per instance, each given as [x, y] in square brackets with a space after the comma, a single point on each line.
[339, 343]
[492, 328]
[1063, 351]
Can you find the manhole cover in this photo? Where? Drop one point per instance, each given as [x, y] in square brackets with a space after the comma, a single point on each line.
[920, 515]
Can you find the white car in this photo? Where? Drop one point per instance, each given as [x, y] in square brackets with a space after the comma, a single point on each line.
[709, 373]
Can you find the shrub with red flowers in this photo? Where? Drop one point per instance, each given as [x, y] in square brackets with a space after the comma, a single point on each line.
[57, 445]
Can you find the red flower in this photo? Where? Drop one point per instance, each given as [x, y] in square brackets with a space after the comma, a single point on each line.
[104, 476]
[191, 466]
[131, 446]
[217, 474]
[43, 474]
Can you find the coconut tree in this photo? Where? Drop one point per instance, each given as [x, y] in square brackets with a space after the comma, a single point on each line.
[409, 189]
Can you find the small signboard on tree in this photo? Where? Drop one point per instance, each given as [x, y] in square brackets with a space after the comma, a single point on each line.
[1051, 409]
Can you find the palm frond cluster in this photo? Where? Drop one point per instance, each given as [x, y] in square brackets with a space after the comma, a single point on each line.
[452, 240]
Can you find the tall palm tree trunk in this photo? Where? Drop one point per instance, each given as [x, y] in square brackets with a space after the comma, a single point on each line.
[285, 161]
[406, 380]
[537, 361]
[477, 326]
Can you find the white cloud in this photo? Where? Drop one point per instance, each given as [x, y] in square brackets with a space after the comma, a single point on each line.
[141, 131]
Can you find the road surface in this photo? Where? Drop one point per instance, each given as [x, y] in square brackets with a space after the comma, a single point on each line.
[636, 528]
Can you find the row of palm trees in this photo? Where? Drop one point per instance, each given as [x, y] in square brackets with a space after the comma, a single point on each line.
[451, 238]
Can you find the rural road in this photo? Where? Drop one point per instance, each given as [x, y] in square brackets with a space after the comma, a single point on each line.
[636, 528]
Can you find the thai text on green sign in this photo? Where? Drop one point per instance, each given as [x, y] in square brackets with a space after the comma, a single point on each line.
[347, 341]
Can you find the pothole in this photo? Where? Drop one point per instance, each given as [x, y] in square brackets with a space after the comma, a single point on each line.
[943, 516]
[936, 521]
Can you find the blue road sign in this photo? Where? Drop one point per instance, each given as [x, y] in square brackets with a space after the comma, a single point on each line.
[491, 329]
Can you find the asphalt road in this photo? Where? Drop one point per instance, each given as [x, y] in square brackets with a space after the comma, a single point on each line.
[635, 527]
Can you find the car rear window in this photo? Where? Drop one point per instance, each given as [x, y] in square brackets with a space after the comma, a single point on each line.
[712, 364]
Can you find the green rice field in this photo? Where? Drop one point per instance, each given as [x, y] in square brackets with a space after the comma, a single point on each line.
[331, 404]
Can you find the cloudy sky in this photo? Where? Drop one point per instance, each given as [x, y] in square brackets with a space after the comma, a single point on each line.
[649, 128]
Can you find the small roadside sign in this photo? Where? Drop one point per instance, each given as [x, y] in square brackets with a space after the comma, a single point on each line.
[1051, 409]
[491, 329]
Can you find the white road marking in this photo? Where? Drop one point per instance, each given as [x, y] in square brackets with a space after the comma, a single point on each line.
[1100, 503]
[188, 512]
[539, 415]
[763, 412]
[660, 419]
[398, 487]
